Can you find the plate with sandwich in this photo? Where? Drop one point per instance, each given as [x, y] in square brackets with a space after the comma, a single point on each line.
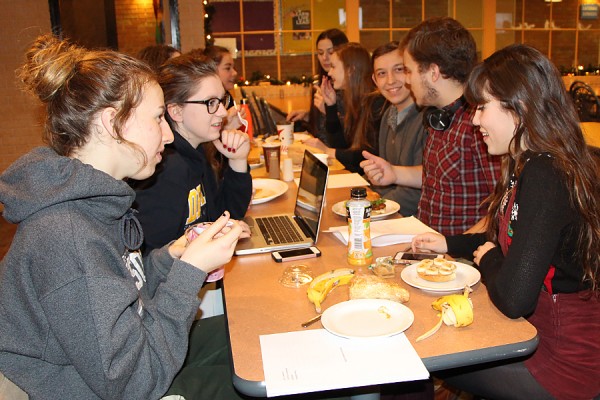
[440, 275]
[380, 208]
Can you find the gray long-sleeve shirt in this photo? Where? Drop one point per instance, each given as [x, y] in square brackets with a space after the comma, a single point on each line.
[401, 143]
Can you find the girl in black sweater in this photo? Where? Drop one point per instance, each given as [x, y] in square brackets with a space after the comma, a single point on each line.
[540, 258]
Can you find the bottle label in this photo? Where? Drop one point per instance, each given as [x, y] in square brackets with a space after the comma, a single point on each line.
[359, 236]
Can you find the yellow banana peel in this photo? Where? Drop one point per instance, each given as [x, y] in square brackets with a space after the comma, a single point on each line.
[455, 310]
[320, 286]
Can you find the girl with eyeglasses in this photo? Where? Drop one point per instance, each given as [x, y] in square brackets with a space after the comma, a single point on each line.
[186, 189]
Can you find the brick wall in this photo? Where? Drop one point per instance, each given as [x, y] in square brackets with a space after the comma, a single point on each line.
[21, 22]
[191, 24]
[136, 25]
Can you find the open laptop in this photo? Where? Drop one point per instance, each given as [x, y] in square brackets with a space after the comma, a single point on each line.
[291, 231]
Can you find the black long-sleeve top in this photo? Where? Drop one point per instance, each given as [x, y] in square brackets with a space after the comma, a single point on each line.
[351, 158]
[185, 191]
[544, 227]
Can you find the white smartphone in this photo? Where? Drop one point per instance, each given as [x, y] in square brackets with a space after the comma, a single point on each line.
[296, 254]
[408, 258]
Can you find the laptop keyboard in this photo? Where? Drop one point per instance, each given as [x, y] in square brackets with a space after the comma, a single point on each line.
[278, 229]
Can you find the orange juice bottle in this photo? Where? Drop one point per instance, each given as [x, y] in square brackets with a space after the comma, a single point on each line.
[250, 128]
[358, 211]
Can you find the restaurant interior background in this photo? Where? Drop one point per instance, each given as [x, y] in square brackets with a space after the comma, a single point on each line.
[274, 39]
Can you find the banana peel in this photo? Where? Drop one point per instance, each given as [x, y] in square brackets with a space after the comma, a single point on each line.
[323, 284]
[456, 310]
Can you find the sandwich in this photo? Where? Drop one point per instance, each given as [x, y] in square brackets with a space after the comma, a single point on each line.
[377, 202]
[436, 270]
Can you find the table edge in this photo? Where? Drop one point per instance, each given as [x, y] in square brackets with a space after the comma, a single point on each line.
[433, 364]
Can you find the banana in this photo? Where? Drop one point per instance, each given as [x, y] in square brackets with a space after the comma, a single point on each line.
[455, 309]
[320, 286]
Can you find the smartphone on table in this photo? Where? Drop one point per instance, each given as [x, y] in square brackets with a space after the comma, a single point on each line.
[296, 254]
[407, 258]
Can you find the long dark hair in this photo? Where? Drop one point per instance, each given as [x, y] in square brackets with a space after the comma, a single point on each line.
[337, 38]
[529, 86]
[358, 82]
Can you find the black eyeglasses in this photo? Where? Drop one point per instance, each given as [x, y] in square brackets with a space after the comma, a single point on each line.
[212, 104]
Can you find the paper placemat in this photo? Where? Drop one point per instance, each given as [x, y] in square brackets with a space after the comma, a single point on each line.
[387, 232]
[343, 180]
[316, 360]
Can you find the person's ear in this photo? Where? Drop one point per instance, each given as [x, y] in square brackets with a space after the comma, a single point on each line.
[434, 72]
[107, 117]
[175, 112]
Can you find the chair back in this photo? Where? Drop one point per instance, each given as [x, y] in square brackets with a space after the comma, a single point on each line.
[586, 102]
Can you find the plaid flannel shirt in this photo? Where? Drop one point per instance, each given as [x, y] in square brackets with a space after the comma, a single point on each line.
[458, 175]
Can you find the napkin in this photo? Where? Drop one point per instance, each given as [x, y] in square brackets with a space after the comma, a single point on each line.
[315, 360]
[387, 232]
[343, 180]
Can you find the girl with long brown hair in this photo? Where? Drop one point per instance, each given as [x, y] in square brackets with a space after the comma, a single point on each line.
[357, 128]
[540, 258]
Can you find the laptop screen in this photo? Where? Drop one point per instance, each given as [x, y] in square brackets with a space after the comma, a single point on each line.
[311, 192]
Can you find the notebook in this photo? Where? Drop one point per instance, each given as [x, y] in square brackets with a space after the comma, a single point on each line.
[291, 231]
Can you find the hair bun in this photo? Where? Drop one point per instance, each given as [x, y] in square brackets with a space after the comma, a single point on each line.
[50, 63]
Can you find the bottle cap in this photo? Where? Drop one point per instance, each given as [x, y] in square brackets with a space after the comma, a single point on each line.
[358, 192]
[244, 101]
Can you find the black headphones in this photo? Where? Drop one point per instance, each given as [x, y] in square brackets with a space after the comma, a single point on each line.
[439, 119]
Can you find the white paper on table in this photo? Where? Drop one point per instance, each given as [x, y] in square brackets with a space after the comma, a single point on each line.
[343, 180]
[387, 232]
[316, 360]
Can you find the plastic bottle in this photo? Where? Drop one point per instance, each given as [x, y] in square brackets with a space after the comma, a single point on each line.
[250, 129]
[358, 211]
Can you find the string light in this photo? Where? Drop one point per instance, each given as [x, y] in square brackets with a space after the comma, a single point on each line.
[209, 11]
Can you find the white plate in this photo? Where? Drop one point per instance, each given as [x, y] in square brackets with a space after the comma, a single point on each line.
[465, 275]
[299, 137]
[391, 207]
[267, 190]
[364, 318]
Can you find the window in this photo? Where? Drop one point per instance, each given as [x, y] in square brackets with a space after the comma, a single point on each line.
[276, 38]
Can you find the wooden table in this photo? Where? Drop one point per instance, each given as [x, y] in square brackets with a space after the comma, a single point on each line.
[256, 304]
[295, 152]
[288, 104]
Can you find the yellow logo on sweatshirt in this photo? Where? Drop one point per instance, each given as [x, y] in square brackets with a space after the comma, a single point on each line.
[196, 200]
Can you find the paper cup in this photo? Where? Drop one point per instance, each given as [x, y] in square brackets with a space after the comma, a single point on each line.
[286, 134]
[268, 149]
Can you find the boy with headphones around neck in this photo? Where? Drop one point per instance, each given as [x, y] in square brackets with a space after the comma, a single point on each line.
[457, 174]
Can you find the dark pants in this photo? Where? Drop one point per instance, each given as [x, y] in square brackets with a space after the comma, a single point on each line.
[206, 372]
[498, 381]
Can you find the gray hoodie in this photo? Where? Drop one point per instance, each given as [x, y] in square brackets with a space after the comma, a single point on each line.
[80, 315]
